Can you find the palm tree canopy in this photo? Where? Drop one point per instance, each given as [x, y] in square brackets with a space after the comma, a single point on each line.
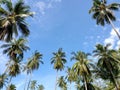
[12, 20]
[34, 62]
[33, 85]
[15, 48]
[14, 68]
[81, 67]
[3, 80]
[107, 64]
[58, 59]
[62, 83]
[71, 76]
[41, 87]
[101, 11]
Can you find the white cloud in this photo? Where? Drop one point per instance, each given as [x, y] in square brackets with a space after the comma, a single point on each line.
[43, 6]
[113, 39]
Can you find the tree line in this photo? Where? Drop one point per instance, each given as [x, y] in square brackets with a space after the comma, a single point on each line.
[84, 73]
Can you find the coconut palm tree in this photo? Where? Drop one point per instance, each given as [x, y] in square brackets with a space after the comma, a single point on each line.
[71, 76]
[33, 64]
[81, 67]
[3, 80]
[107, 64]
[103, 13]
[15, 51]
[33, 85]
[62, 83]
[15, 48]
[41, 87]
[58, 60]
[12, 19]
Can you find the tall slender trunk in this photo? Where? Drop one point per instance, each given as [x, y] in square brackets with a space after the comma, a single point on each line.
[56, 80]
[85, 81]
[29, 81]
[25, 83]
[113, 27]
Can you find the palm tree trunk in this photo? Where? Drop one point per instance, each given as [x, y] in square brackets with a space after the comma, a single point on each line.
[25, 83]
[113, 27]
[29, 81]
[85, 81]
[56, 80]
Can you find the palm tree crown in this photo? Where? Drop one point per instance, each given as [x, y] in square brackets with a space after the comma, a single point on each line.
[34, 62]
[12, 20]
[101, 11]
[81, 67]
[62, 83]
[15, 48]
[41, 87]
[59, 60]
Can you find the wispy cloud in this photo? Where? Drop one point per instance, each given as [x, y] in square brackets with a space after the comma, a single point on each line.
[42, 6]
[113, 39]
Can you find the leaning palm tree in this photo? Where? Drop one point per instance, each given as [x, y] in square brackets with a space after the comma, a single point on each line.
[103, 13]
[81, 67]
[41, 87]
[62, 83]
[33, 64]
[107, 64]
[58, 60]
[12, 19]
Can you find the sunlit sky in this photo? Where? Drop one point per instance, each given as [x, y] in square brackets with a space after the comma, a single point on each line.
[62, 24]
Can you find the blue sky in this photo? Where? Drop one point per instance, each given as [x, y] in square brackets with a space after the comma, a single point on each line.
[62, 24]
